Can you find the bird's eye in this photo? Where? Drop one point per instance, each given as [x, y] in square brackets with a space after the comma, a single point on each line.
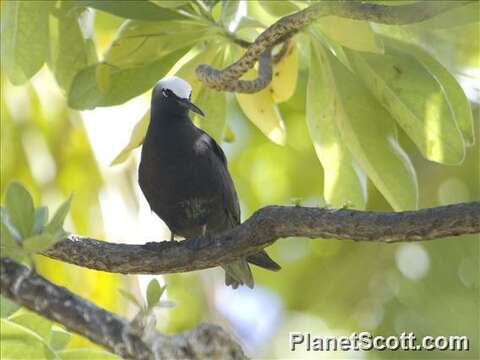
[167, 92]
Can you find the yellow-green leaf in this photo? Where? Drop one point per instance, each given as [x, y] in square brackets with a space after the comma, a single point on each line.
[25, 38]
[344, 181]
[459, 103]
[213, 104]
[284, 77]
[136, 139]
[415, 99]
[19, 206]
[353, 34]
[262, 111]
[370, 134]
[138, 43]
[187, 70]
[19, 342]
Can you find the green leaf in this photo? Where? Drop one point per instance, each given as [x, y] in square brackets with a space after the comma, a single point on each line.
[154, 292]
[139, 43]
[73, 49]
[344, 181]
[25, 38]
[353, 34]
[169, 3]
[129, 296]
[370, 134]
[40, 219]
[458, 16]
[9, 245]
[83, 354]
[279, 8]
[136, 139]
[19, 342]
[123, 85]
[187, 71]
[59, 338]
[38, 324]
[229, 10]
[213, 104]
[140, 10]
[56, 224]
[39, 243]
[19, 206]
[459, 103]
[415, 99]
[7, 306]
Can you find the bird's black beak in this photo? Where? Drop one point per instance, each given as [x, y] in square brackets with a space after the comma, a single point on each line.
[191, 106]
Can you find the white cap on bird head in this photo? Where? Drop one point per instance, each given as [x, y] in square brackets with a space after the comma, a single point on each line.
[177, 85]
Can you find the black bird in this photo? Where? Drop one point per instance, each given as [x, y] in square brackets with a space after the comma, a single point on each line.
[184, 177]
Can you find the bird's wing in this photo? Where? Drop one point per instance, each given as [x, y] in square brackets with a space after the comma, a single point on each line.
[212, 144]
[231, 199]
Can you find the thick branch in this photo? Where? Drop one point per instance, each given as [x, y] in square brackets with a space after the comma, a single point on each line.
[79, 315]
[262, 229]
[284, 28]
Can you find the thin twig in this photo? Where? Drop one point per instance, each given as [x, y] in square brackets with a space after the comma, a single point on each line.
[286, 27]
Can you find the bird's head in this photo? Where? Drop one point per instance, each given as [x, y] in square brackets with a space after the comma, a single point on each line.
[173, 95]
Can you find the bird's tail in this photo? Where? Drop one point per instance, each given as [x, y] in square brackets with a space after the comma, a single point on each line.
[264, 261]
[238, 272]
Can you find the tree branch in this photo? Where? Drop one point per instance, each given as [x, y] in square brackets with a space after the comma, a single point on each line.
[262, 229]
[286, 27]
[81, 316]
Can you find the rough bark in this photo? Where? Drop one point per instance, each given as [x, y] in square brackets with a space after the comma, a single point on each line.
[262, 229]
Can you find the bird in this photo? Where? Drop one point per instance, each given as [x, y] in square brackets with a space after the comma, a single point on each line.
[184, 176]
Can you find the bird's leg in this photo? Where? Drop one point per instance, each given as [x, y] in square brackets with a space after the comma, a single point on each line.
[195, 243]
[172, 236]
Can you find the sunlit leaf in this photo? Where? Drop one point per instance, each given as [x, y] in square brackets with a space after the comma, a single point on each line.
[19, 342]
[38, 243]
[262, 111]
[369, 132]
[73, 53]
[229, 135]
[415, 99]
[19, 206]
[278, 8]
[458, 16]
[353, 34]
[38, 324]
[229, 10]
[452, 90]
[136, 139]
[284, 77]
[154, 292]
[59, 338]
[123, 85]
[56, 223]
[83, 354]
[187, 70]
[213, 104]
[9, 239]
[344, 181]
[169, 3]
[25, 38]
[140, 10]
[129, 296]
[139, 43]
[40, 218]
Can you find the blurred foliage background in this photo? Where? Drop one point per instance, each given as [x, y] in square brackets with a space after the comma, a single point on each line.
[59, 143]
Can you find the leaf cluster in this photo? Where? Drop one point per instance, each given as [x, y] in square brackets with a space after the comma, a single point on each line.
[25, 229]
